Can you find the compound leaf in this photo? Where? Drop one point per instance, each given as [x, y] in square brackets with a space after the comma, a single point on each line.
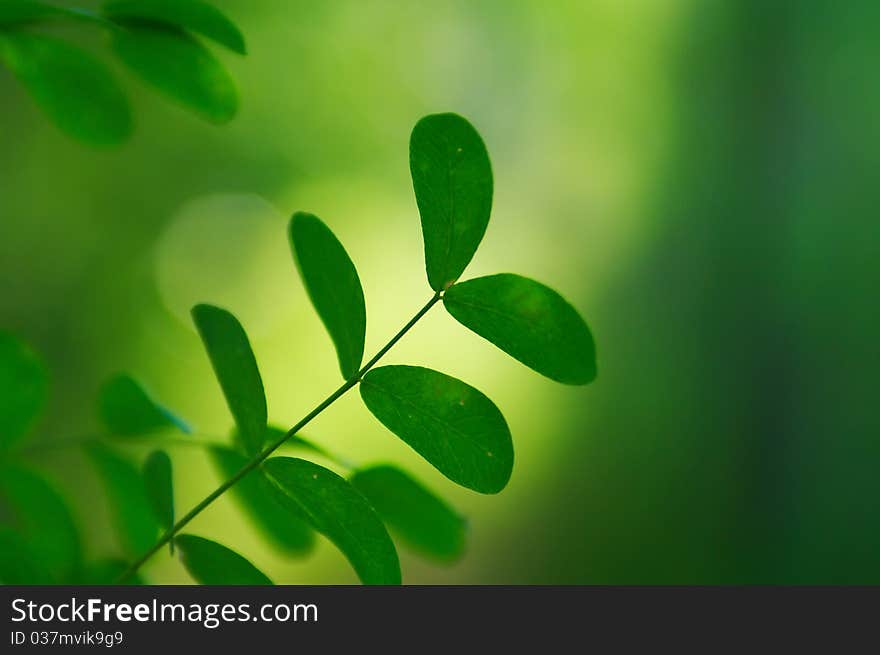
[127, 409]
[131, 509]
[213, 564]
[236, 369]
[194, 15]
[452, 180]
[449, 423]
[339, 512]
[179, 66]
[160, 486]
[414, 513]
[76, 90]
[270, 510]
[32, 507]
[23, 389]
[333, 285]
[528, 321]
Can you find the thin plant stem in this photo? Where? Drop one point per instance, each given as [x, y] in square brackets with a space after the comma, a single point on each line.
[266, 452]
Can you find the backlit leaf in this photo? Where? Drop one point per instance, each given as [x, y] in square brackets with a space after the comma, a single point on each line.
[35, 511]
[528, 321]
[23, 389]
[340, 513]
[127, 409]
[449, 423]
[107, 572]
[267, 508]
[160, 486]
[213, 564]
[130, 508]
[333, 285]
[18, 565]
[452, 180]
[75, 89]
[23, 11]
[180, 67]
[421, 519]
[192, 15]
[236, 369]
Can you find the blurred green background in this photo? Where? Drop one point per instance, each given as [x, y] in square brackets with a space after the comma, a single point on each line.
[700, 179]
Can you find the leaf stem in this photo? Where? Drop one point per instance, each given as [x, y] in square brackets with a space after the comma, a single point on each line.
[266, 452]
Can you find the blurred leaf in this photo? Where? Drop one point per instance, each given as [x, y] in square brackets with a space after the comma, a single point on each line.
[193, 15]
[106, 572]
[420, 518]
[528, 321]
[75, 89]
[340, 513]
[23, 11]
[236, 369]
[23, 389]
[160, 487]
[333, 285]
[179, 66]
[212, 564]
[449, 423]
[18, 566]
[452, 180]
[131, 510]
[127, 409]
[37, 513]
[272, 512]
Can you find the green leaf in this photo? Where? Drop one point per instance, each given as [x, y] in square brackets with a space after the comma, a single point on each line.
[528, 321]
[160, 487]
[212, 564]
[193, 15]
[452, 180]
[180, 67]
[333, 285]
[270, 511]
[25, 11]
[236, 369]
[449, 423]
[32, 508]
[76, 90]
[18, 566]
[414, 513]
[340, 513]
[127, 409]
[23, 389]
[131, 509]
[107, 572]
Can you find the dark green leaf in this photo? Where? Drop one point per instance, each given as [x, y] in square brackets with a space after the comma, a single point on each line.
[24, 11]
[212, 564]
[74, 88]
[107, 572]
[449, 423]
[452, 180]
[193, 15]
[333, 285]
[18, 566]
[528, 321]
[236, 369]
[23, 389]
[160, 486]
[127, 409]
[34, 510]
[131, 510]
[272, 512]
[420, 518]
[179, 66]
[340, 513]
